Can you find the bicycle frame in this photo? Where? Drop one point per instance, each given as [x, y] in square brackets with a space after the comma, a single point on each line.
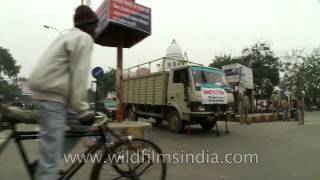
[98, 129]
[20, 136]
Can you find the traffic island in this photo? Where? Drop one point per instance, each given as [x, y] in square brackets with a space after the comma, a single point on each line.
[258, 118]
[135, 129]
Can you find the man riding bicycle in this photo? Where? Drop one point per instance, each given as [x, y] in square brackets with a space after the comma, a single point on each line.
[59, 82]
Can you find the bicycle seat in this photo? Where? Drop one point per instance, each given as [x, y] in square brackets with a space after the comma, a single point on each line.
[15, 115]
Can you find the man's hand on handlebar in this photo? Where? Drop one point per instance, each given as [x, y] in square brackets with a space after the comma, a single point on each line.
[87, 118]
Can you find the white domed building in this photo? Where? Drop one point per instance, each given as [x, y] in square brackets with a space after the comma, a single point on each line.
[173, 56]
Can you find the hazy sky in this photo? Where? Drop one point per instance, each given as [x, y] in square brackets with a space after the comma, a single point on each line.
[202, 28]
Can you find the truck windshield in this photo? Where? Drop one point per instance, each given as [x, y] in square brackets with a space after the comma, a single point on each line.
[110, 103]
[207, 77]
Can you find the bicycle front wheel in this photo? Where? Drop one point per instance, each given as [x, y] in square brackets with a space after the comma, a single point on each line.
[136, 159]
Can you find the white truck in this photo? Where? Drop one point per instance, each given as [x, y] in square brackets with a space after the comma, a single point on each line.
[187, 94]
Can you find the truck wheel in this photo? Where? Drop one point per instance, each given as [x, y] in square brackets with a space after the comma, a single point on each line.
[207, 125]
[131, 115]
[174, 122]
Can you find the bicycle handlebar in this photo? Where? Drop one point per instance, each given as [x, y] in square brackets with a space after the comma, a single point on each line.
[13, 115]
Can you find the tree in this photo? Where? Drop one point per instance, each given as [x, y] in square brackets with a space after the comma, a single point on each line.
[311, 73]
[265, 67]
[91, 95]
[109, 82]
[9, 91]
[222, 60]
[302, 73]
[8, 71]
[8, 65]
[292, 71]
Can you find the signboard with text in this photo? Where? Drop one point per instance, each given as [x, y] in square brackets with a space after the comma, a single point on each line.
[214, 96]
[239, 74]
[122, 22]
[130, 14]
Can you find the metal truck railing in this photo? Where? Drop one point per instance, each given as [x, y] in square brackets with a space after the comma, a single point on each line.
[156, 66]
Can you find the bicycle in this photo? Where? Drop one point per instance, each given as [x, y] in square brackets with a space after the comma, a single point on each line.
[118, 154]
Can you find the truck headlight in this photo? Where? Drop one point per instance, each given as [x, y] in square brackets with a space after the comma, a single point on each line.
[197, 107]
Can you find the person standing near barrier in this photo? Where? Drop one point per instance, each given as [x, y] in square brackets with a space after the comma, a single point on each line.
[300, 108]
[244, 108]
[275, 103]
[285, 108]
[60, 82]
[294, 110]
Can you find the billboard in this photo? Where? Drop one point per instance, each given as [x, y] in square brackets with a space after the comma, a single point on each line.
[122, 22]
[232, 73]
[239, 74]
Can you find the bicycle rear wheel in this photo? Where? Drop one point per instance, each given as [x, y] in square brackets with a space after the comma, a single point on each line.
[136, 159]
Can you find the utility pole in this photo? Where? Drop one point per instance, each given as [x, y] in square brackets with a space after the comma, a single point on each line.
[119, 86]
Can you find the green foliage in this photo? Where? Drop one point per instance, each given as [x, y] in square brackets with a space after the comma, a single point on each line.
[265, 67]
[222, 60]
[109, 82]
[293, 78]
[91, 95]
[302, 73]
[9, 91]
[8, 66]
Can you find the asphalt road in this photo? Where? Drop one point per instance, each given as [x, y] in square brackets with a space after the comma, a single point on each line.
[284, 151]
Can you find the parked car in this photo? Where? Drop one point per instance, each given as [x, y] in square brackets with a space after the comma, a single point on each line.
[19, 104]
[109, 107]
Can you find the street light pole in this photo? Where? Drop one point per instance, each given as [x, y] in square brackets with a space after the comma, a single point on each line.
[49, 27]
[56, 29]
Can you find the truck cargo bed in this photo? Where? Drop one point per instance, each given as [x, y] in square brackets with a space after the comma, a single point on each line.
[150, 89]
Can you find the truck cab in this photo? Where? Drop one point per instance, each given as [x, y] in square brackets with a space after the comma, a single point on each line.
[199, 95]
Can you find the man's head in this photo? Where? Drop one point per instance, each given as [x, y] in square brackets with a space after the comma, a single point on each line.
[85, 19]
